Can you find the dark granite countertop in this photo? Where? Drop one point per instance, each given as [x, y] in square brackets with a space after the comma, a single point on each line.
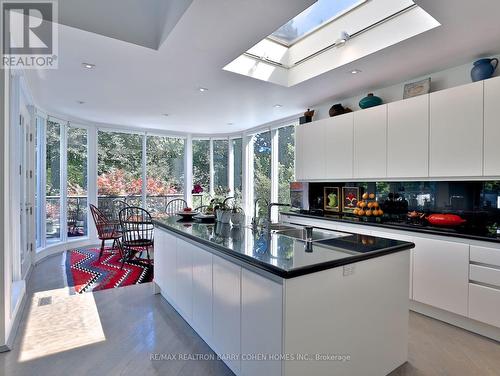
[401, 226]
[282, 255]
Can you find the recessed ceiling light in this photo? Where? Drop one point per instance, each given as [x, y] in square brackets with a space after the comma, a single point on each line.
[202, 89]
[88, 65]
[80, 102]
[230, 123]
[356, 71]
[166, 115]
[278, 106]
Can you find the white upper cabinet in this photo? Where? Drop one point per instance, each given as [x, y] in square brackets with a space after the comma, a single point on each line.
[338, 141]
[370, 143]
[408, 138]
[456, 131]
[492, 127]
[309, 151]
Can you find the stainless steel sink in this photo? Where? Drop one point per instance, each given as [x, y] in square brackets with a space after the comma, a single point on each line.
[282, 227]
[300, 233]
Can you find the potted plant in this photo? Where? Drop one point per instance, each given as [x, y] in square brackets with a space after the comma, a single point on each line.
[237, 214]
[222, 211]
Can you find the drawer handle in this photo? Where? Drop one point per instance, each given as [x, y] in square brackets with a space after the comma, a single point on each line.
[472, 282]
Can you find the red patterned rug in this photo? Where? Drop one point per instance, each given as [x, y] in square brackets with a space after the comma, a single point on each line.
[85, 272]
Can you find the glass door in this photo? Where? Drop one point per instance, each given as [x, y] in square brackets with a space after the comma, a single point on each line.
[26, 149]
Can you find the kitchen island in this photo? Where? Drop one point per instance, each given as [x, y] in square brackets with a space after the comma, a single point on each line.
[273, 304]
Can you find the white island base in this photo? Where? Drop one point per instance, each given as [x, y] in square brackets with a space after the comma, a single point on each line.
[348, 320]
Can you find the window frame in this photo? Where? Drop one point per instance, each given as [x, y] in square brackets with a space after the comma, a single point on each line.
[247, 161]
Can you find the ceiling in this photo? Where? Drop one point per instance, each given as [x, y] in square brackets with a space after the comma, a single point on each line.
[138, 79]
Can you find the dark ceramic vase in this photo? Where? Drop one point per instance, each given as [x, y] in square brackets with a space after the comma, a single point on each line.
[483, 69]
[370, 101]
[336, 109]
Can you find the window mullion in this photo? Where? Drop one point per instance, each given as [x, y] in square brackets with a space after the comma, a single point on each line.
[230, 167]
[274, 171]
[212, 174]
[63, 185]
[144, 172]
[188, 170]
[43, 182]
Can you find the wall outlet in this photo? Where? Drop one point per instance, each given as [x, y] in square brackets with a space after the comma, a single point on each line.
[348, 270]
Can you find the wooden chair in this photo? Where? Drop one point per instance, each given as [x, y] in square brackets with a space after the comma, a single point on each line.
[106, 229]
[201, 208]
[137, 232]
[175, 206]
[118, 204]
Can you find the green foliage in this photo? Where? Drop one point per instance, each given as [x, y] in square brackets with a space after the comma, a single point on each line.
[165, 161]
[53, 167]
[262, 167]
[201, 163]
[77, 161]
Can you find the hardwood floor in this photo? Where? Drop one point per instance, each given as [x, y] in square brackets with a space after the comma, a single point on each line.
[119, 331]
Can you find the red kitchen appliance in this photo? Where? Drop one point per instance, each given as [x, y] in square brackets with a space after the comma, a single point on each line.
[446, 220]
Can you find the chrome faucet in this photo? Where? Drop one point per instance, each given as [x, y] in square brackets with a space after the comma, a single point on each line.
[269, 212]
[255, 222]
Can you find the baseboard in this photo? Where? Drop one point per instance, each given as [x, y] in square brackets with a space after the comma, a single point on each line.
[466, 323]
[15, 325]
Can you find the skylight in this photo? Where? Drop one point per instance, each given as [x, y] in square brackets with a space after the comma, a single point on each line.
[328, 35]
[317, 15]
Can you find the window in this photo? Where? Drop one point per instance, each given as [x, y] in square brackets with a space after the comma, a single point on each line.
[53, 181]
[165, 171]
[77, 181]
[262, 167]
[286, 162]
[237, 168]
[201, 172]
[37, 177]
[317, 15]
[221, 154]
[119, 169]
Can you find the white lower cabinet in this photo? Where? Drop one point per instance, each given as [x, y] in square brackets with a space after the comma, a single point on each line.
[236, 311]
[484, 304]
[441, 274]
[202, 292]
[226, 311]
[261, 325]
[184, 279]
[404, 238]
[160, 258]
[166, 255]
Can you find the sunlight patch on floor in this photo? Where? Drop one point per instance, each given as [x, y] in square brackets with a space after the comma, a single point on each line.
[57, 322]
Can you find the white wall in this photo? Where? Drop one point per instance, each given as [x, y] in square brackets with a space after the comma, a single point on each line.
[3, 165]
[441, 80]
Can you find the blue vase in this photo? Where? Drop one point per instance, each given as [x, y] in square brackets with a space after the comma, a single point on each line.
[370, 101]
[483, 69]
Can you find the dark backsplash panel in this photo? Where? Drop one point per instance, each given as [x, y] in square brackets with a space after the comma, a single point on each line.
[476, 201]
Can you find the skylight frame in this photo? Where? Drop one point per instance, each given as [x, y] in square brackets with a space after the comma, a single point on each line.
[315, 29]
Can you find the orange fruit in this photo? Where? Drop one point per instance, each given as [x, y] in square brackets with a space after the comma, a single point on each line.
[368, 213]
[371, 195]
